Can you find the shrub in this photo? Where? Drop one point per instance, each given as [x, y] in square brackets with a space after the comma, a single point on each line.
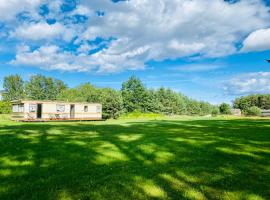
[253, 111]
[225, 109]
[5, 107]
[215, 112]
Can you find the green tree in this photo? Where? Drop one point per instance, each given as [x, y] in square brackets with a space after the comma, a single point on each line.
[205, 108]
[69, 94]
[215, 111]
[5, 107]
[171, 102]
[152, 103]
[225, 109]
[193, 107]
[83, 93]
[14, 88]
[134, 95]
[44, 88]
[112, 103]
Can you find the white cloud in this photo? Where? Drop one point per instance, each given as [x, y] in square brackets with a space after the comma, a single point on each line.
[42, 30]
[173, 29]
[257, 41]
[82, 10]
[249, 83]
[51, 57]
[10, 8]
[152, 30]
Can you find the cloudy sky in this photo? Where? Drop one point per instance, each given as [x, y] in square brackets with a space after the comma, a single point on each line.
[210, 50]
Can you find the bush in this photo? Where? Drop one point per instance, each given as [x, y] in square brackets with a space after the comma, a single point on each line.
[253, 111]
[225, 109]
[215, 112]
[5, 107]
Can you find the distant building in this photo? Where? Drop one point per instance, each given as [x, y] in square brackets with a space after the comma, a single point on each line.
[27, 110]
[265, 113]
[236, 112]
[1, 94]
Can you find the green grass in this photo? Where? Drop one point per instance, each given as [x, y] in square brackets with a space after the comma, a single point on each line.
[187, 158]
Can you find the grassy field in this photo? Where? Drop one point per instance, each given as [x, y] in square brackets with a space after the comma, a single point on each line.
[187, 158]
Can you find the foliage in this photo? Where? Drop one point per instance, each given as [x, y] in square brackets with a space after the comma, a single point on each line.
[43, 88]
[171, 103]
[215, 111]
[14, 88]
[205, 108]
[225, 109]
[134, 95]
[139, 159]
[5, 107]
[112, 103]
[253, 111]
[259, 100]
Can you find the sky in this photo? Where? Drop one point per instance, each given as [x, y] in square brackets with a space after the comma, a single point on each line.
[211, 50]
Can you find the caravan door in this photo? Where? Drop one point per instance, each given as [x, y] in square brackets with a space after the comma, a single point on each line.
[72, 111]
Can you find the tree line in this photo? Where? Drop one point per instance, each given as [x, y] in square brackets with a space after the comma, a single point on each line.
[133, 96]
[253, 104]
[261, 101]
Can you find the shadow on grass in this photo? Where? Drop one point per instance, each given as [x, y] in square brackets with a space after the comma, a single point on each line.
[202, 159]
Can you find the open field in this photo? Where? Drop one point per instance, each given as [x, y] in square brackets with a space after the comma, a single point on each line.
[179, 158]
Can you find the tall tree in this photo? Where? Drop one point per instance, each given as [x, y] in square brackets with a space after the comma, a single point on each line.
[43, 88]
[134, 94]
[112, 103]
[83, 93]
[14, 88]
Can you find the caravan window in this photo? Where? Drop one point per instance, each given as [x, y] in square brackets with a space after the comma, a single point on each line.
[60, 108]
[32, 107]
[98, 109]
[85, 109]
[18, 108]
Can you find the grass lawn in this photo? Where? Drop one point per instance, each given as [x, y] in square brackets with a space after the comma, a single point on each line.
[187, 158]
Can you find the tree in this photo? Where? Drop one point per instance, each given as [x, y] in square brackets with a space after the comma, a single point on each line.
[112, 103]
[89, 93]
[83, 93]
[215, 111]
[171, 102]
[151, 103]
[69, 94]
[5, 107]
[14, 88]
[44, 88]
[206, 108]
[193, 107]
[259, 100]
[134, 95]
[225, 109]
[264, 102]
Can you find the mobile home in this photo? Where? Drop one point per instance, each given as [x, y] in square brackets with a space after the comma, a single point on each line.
[27, 110]
[265, 113]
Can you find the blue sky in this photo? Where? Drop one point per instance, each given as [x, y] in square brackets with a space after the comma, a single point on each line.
[211, 50]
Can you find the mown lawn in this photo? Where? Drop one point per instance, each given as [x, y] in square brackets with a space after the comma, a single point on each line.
[136, 159]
